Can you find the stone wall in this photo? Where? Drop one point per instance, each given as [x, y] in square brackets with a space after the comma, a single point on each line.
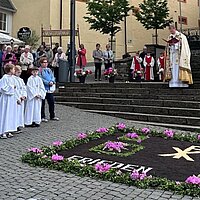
[195, 65]
[123, 67]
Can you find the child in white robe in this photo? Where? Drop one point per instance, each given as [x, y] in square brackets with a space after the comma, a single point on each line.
[8, 102]
[21, 97]
[35, 94]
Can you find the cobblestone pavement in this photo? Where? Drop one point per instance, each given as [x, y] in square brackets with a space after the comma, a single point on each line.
[19, 181]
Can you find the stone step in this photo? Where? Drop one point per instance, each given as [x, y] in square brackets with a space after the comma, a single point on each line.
[138, 118]
[122, 101]
[132, 96]
[155, 110]
[160, 85]
[179, 122]
[119, 85]
[143, 91]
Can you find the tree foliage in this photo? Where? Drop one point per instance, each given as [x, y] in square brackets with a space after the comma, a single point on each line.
[32, 40]
[106, 15]
[153, 14]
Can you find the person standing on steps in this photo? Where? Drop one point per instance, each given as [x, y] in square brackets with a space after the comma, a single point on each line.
[82, 61]
[178, 69]
[148, 63]
[161, 66]
[143, 54]
[98, 59]
[136, 67]
[108, 57]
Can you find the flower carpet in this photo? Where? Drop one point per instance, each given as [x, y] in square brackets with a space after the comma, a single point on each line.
[140, 157]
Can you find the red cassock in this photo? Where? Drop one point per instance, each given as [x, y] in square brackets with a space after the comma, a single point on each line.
[162, 66]
[137, 64]
[148, 68]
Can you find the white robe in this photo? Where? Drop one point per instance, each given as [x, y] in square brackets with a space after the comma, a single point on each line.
[133, 62]
[8, 104]
[21, 92]
[175, 62]
[35, 87]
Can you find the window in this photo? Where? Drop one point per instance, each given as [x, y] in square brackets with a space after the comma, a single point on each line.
[2, 21]
[183, 19]
[183, 1]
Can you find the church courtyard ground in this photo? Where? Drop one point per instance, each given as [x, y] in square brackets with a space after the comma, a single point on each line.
[19, 181]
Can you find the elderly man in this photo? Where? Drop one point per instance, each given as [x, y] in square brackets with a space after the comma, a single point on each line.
[178, 69]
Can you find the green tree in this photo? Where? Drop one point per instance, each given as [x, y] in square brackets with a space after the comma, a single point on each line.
[106, 15]
[32, 40]
[153, 14]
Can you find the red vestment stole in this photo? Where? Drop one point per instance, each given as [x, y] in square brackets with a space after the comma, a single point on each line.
[148, 68]
[137, 64]
[162, 65]
[162, 62]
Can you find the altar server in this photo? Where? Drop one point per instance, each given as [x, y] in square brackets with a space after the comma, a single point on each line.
[149, 64]
[161, 66]
[35, 94]
[21, 97]
[8, 102]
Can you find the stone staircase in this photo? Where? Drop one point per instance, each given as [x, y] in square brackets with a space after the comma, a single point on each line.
[148, 103]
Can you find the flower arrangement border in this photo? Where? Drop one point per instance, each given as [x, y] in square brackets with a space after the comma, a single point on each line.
[42, 158]
[134, 149]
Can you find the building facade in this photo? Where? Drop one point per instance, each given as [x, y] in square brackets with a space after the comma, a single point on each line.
[34, 13]
[6, 16]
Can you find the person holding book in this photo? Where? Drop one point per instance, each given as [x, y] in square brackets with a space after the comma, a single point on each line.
[178, 69]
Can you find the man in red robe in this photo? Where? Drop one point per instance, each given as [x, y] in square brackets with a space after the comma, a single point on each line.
[161, 66]
[149, 64]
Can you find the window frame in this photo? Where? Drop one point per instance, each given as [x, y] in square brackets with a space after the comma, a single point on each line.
[4, 23]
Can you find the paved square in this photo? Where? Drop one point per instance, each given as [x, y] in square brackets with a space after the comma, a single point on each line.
[22, 182]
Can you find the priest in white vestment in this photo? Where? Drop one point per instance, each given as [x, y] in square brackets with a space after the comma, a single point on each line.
[178, 69]
[35, 93]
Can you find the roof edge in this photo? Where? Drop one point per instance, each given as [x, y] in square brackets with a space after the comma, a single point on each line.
[14, 8]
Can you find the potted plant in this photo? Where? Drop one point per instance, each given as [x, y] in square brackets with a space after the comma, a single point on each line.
[81, 74]
[110, 73]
